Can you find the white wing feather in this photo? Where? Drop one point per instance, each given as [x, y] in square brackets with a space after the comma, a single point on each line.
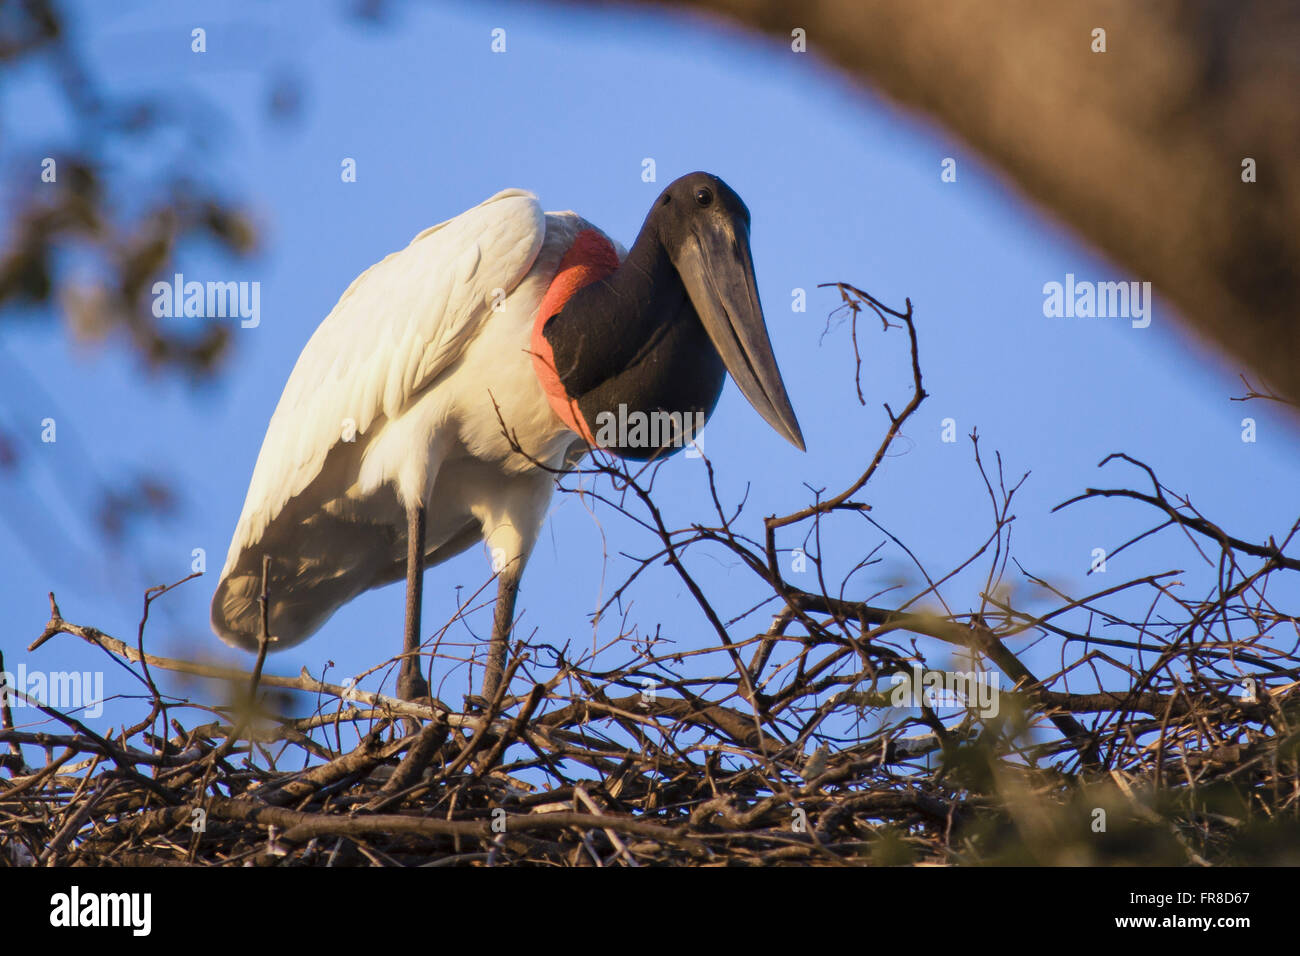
[399, 325]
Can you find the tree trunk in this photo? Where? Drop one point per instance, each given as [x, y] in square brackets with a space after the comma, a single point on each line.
[1140, 149]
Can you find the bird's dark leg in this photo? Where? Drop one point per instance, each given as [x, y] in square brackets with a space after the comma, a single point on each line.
[507, 590]
[410, 682]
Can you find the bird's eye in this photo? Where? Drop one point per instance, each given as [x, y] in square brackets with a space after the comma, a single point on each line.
[704, 196]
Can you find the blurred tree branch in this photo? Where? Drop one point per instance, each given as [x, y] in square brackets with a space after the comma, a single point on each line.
[1138, 149]
[79, 219]
[91, 219]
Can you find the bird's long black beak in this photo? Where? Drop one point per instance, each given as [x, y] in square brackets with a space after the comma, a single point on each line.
[718, 272]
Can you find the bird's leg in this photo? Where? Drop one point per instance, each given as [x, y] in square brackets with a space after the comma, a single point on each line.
[507, 590]
[410, 682]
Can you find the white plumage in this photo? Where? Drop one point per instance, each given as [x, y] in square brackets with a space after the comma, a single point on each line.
[390, 405]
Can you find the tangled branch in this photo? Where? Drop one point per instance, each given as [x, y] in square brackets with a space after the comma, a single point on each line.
[1168, 733]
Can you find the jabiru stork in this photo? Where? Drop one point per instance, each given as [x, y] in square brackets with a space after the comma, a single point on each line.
[386, 453]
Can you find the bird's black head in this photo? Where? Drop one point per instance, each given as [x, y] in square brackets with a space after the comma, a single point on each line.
[657, 335]
[704, 227]
[698, 201]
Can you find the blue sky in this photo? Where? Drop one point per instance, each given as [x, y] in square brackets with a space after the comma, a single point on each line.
[841, 186]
